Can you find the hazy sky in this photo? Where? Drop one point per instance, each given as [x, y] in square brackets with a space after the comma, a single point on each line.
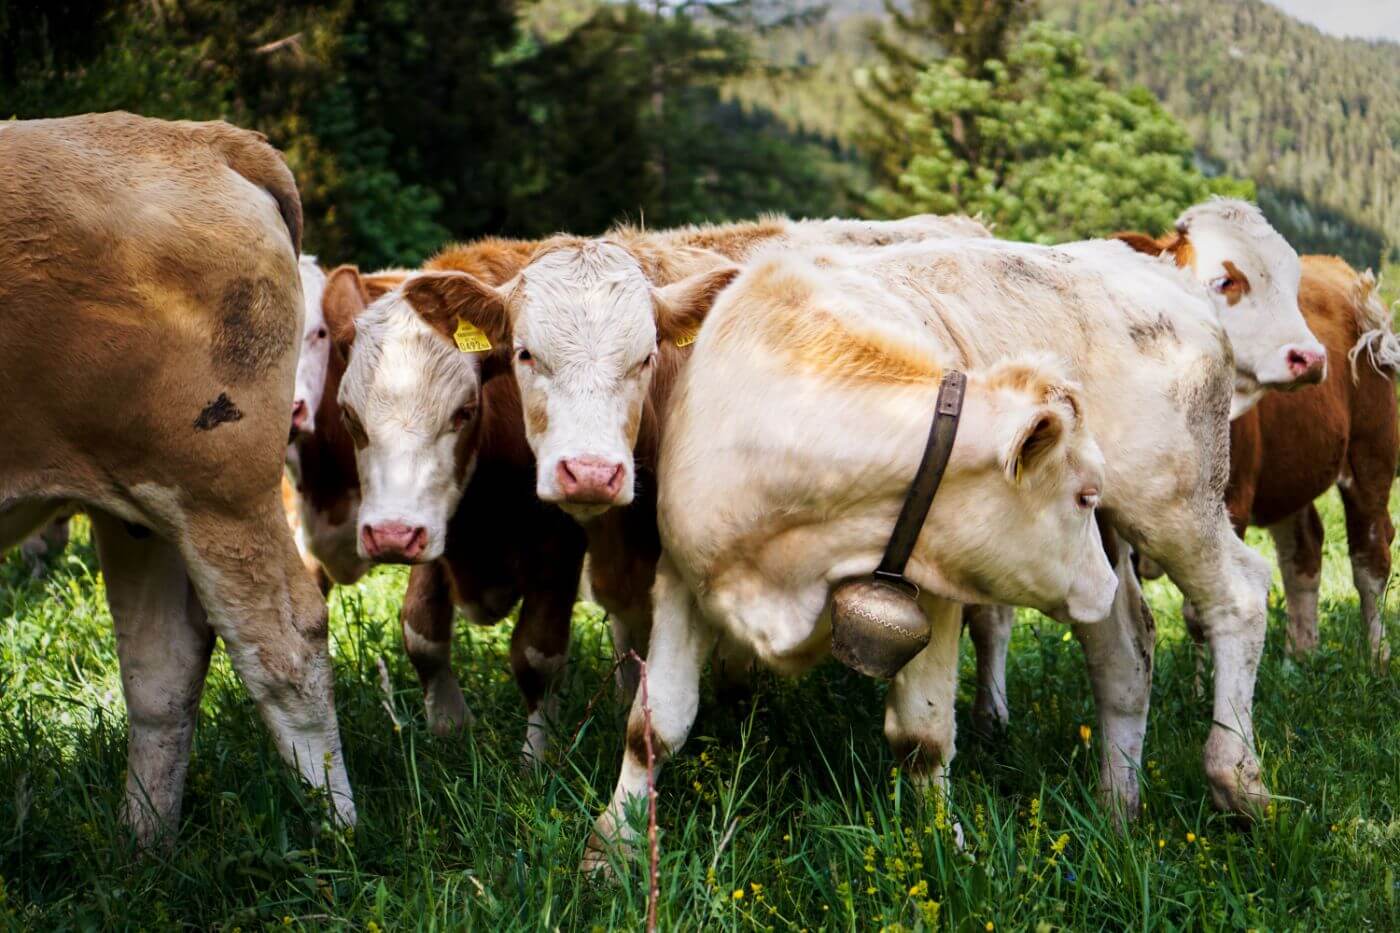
[1367, 19]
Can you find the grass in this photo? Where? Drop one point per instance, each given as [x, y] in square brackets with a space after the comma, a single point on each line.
[785, 813]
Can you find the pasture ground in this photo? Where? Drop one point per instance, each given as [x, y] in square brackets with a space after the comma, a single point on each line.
[783, 813]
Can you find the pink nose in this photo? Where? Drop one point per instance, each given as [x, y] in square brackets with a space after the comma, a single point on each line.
[393, 542]
[589, 480]
[1306, 366]
[299, 414]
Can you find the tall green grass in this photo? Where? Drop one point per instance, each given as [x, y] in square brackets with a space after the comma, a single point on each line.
[783, 812]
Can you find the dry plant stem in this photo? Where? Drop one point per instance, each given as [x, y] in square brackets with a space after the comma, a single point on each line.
[654, 846]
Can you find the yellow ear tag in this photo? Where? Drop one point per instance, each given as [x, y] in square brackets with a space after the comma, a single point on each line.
[685, 340]
[470, 339]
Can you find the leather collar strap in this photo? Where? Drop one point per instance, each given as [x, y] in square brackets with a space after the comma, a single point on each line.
[931, 469]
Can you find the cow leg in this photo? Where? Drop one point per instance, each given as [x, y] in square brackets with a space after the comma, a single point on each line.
[990, 627]
[631, 630]
[265, 607]
[680, 642]
[426, 620]
[1298, 540]
[1118, 653]
[163, 647]
[919, 709]
[19, 520]
[539, 655]
[1228, 583]
[1370, 532]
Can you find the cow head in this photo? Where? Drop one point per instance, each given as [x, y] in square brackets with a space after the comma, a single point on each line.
[582, 324]
[410, 400]
[1252, 275]
[314, 356]
[1014, 518]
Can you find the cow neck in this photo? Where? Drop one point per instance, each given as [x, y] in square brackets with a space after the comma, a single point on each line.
[328, 472]
[919, 499]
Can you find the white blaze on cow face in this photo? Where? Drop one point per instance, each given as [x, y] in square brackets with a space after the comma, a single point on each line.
[410, 400]
[1252, 275]
[315, 350]
[582, 322]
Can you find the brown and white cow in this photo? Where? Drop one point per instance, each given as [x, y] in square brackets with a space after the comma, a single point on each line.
[500, 544]
[149, 316]
[1293, 447]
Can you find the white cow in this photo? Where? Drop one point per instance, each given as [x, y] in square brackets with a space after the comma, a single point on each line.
[1251, 276]
[815, 371]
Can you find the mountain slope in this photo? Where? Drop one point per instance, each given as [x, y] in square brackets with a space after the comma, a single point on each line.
[1315, 120]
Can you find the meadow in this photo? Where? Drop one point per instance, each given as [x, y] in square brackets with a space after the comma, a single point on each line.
[784, 811]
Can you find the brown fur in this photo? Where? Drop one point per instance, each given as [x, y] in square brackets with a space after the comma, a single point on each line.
[1293, 446]
[149, 268]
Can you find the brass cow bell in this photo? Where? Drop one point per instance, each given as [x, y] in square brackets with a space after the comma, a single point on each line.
[877, 626]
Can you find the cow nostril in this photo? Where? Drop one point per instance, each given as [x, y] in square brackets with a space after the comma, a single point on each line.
[615, 481]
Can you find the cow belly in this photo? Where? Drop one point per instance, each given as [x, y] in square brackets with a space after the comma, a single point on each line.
[1304, 437]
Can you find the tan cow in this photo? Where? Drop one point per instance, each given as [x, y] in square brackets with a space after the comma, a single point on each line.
[149, 315]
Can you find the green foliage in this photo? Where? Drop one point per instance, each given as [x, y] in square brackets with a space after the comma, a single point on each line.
[789, 798]
[1042, 148]
[1312, 117]
[410, 122]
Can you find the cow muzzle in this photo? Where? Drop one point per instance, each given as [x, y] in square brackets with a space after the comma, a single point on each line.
[394, 542]
[1307, 365]
[590, 480]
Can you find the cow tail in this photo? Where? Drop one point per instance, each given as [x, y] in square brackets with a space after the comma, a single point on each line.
[1378, 342]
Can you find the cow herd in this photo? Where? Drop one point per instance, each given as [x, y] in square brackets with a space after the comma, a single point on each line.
[708, 429]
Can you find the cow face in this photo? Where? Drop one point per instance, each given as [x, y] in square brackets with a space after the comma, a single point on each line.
[315, 351]
[410, 400]
[1252, 275]
[582, 323]
[1015, 516]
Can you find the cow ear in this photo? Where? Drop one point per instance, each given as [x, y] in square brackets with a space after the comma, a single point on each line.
[1033, 441]
[342, 301]
[378, 284]
[681, 307]
[446, 299]
[1140, 242]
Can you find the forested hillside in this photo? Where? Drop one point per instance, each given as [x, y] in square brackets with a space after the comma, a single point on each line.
[1314, 120]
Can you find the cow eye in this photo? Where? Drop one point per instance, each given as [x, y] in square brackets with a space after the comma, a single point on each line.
[321, 333]
[525, 356]
[1087, 498]
[1222, 284]
[645, 364]
[463, 416]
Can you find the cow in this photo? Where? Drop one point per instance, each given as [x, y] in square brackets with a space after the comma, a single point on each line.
[321, 456]
[1251, 277]
[149, 314]
[1293, 447]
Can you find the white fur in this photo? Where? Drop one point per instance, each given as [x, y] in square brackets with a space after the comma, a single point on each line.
[404, 382]
[315, 353]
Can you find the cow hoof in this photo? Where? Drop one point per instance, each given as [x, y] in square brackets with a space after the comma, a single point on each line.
[990, 717]
[446, 709]
[1236, 783]
[595, 858]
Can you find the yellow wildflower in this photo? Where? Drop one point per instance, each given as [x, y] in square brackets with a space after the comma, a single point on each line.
[1085, 733]
[738, 894]
[1190, 837]
[990, 926]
